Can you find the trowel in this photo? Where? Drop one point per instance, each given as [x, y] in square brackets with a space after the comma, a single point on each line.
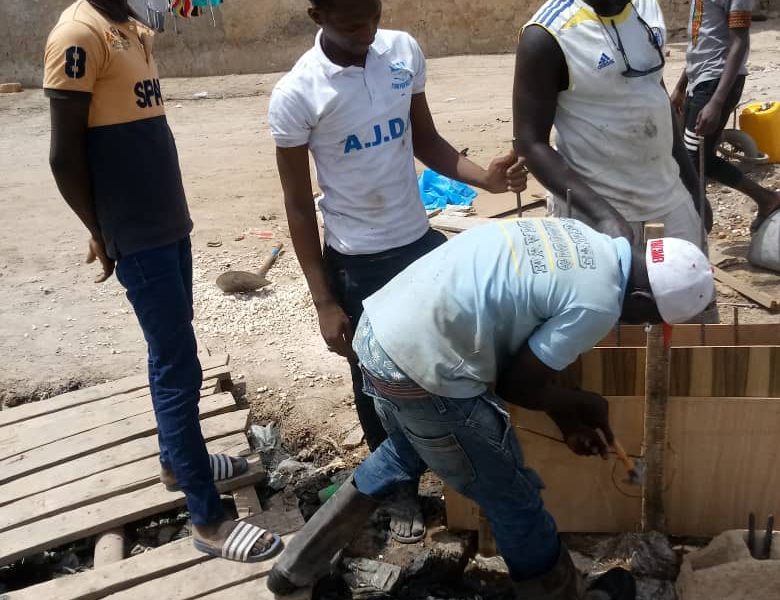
[233, 282]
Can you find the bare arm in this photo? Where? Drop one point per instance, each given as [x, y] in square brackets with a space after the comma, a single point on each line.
[580, 415]
[712, 114]
[438, 154]
[293, 165]
[539, 67]
[69, 164]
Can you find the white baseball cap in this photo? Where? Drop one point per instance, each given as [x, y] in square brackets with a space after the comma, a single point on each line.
[680, 278]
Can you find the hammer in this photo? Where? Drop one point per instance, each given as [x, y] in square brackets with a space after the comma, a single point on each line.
[635, 471]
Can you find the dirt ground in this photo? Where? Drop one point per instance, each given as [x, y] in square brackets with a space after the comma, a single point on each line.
[60, 330]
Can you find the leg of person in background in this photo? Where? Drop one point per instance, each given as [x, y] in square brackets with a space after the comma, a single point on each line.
[722, 171]
[159, 286]
[353, 279]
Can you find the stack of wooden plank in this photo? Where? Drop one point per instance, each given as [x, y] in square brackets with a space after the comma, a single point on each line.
[722, 456]
[86, 462]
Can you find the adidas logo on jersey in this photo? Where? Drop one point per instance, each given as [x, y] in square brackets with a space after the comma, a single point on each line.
[605, 61]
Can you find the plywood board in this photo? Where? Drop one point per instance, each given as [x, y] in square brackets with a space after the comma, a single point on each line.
[695, 371]
[721, 464]
[89, 520]
[98, 439]
[213, 367]
[94, 488]
[97, 462]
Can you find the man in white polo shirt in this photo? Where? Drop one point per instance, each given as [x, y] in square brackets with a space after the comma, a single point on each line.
[356, 102]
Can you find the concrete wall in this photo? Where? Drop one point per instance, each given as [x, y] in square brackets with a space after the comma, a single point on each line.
[257, 36]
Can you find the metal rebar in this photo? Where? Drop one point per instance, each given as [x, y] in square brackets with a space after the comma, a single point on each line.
[751, 540]
[766, 552]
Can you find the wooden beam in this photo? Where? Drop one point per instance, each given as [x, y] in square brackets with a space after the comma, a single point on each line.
[137, 385]
[457, 224]
[98, 487]
[104, 460]
[83, 522]
[98, 439]
[255, 589]
[657, 363]
[748, 290]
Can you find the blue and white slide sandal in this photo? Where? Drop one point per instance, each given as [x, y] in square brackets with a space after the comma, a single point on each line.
[238, 546]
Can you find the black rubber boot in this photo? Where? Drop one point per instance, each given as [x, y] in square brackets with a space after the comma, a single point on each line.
[563, 582]
[308, 556]
[615, 584]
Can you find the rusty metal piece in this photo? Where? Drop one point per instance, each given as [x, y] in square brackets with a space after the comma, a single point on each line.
[735, 310]
[751, 541]
[766, 552]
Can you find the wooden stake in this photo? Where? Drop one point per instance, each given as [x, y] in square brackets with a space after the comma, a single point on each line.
[655, 422]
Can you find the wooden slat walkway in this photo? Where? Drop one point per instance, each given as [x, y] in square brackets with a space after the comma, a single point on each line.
[87, 462]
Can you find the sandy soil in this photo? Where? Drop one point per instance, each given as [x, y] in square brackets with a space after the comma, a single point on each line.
[61, 330]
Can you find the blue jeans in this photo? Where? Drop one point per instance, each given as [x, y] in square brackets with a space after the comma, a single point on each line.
[470, 445]
[159, 286]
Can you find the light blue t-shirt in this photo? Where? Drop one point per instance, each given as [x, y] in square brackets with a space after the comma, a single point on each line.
[451, 320]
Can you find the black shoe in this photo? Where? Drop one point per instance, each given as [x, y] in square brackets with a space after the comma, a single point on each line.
[615, 584]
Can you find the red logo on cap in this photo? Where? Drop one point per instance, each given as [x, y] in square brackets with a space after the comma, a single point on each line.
[657, 251]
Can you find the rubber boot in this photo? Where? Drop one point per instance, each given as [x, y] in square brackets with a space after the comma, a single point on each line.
[308, 556]
[563, 582]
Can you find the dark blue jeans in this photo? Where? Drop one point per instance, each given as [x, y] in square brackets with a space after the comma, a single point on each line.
[353, 278]
[159, 286]
[470, 444]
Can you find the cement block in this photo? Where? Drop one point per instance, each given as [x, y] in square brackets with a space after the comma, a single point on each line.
[724, 570]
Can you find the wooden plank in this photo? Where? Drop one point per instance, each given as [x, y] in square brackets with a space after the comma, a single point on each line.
[759, 372]
[763, 334]
[94, 488]
[695, 371]
[723, 464]
[581, 490]
[283, 515]
[462, 514]
[457, 224]
[748, 290]
[100, 583]
[83, 522]
[247, 502]
[138, 385]
[198, 580]
[254, 589]
[213, 427]
[43, 430]
[98, 439]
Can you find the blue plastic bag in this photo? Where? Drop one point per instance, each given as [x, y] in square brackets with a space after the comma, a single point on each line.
[437, 191]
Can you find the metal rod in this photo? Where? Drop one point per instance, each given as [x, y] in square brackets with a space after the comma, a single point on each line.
[213, 18]
[751, 541]
[735, 311]
[568, 203]
[766, 552]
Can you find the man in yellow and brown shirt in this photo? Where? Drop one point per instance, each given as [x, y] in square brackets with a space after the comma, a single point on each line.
[115, 162]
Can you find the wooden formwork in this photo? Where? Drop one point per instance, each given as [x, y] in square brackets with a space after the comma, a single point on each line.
[723, 445]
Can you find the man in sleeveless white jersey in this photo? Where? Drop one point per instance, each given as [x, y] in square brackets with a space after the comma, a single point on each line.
[594, 70]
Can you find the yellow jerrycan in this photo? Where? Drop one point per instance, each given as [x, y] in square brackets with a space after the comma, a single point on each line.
[761, 121]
